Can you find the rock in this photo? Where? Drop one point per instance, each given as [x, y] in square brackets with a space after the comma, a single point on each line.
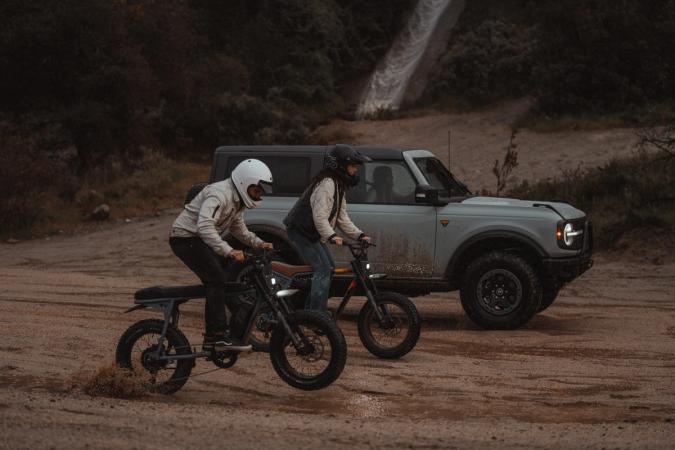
[101, 212]
[12, 241]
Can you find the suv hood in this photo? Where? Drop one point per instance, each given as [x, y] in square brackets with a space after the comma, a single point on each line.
[569, 212]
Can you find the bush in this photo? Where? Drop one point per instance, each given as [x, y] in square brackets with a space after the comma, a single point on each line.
[25, 174]
[594, 57]
[600, 55]
[492, 62]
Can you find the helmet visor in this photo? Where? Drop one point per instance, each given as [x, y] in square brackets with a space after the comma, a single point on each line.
[266, 186]
[359, 158]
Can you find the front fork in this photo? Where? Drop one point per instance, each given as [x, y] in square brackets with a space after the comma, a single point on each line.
[279, 312]
[360, 279]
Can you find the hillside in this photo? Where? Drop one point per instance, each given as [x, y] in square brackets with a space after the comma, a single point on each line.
[478, 138]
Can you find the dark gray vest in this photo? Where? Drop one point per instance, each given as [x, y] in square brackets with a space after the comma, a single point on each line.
[301, 219]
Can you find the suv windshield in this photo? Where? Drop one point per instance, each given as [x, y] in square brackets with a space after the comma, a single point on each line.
[439, 177]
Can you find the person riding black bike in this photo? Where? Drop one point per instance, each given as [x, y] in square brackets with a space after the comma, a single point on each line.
[196, 239]
[312, 221]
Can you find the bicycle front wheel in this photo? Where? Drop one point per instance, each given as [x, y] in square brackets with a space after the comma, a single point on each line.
[398, 331]
[319, 358]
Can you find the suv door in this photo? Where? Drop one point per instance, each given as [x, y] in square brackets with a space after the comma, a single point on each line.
[383, 206]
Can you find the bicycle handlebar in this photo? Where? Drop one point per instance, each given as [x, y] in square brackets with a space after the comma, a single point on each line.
[360, 244]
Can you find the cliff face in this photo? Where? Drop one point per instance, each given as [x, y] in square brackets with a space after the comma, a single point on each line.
[437, 46]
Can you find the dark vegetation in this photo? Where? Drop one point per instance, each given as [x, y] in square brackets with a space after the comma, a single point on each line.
[85, 84]
[94, 94]
[622, 195]
[591, 57]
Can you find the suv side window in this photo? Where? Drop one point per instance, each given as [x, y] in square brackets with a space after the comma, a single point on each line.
[290, 173]
[384, 182]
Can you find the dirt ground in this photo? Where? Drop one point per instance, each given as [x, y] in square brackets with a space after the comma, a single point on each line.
[479, 138]
[596, 370]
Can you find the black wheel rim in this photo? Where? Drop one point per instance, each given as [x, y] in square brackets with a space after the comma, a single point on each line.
[393, 329]
[143, 359]
[499, 292]
[313, 357]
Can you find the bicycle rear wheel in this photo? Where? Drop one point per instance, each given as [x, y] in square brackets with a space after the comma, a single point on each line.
[136, 350]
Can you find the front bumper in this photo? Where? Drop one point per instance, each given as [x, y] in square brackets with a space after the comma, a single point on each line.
[567, 269]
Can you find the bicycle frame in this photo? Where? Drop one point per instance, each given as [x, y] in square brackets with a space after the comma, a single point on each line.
[169, 307]
[361, 278]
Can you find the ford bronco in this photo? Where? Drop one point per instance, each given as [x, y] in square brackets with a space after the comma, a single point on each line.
[507, 257]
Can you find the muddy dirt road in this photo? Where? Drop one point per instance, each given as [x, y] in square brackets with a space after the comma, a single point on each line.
[597, 370]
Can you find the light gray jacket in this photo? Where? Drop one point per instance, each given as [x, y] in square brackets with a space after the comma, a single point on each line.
[215, 209]
[322, 204]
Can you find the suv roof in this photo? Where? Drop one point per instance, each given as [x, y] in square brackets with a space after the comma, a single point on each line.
[373, 152]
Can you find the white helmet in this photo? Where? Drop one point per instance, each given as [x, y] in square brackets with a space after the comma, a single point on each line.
[251, 172]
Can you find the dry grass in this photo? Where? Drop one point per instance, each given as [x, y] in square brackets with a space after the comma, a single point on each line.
[153, 184]
[110, 381]
[334, 133]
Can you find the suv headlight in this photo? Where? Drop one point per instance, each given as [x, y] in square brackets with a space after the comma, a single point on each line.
[569, 234]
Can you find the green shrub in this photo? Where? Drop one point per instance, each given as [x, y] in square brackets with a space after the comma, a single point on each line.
[593, 58]
[601, 55]
[492, 62]
[25, 174]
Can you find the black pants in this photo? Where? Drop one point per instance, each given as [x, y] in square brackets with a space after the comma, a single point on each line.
[214, 270]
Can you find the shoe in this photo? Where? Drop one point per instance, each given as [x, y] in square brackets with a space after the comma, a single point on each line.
[222, 342]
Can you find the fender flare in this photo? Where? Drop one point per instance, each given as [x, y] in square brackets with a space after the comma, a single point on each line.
[521, 239]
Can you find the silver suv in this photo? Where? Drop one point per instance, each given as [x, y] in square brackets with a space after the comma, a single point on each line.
[508, 258]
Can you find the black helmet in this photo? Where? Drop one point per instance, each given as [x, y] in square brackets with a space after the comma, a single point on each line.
[339, 157]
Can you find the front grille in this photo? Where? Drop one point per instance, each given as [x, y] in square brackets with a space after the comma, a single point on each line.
[588, 238]
[578, 224]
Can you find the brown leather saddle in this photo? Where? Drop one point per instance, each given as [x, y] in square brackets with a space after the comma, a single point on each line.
[290, 270]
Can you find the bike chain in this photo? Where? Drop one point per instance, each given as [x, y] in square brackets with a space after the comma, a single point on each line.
[197, 374]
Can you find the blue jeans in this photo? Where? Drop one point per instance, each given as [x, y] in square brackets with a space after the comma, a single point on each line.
[317, 255]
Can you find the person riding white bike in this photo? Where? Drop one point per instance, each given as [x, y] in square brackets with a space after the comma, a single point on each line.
[195, 238]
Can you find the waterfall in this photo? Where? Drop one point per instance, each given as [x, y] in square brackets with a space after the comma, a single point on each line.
[388, 83]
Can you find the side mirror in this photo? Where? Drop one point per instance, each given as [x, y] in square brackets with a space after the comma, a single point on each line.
[428, 195]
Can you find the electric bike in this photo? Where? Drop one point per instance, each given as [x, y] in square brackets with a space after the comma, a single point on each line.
[388, 323]
[307, 350]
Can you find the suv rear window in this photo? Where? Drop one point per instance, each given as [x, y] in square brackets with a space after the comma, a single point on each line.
[290, 174]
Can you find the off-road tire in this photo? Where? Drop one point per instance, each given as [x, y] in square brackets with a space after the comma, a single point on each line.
[329, 329]
[413, 333]
[176, 340]
[512, 265]
[550, 288]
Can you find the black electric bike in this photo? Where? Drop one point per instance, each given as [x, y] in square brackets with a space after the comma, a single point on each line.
[308, 351]
[388, 323]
